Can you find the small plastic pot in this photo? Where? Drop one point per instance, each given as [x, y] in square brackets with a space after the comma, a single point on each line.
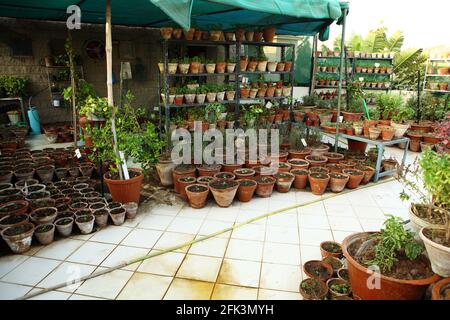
[118, 216]
[64, 226]
[19, 237]
[85, 223]
[101, 217]
[131, 209]
[45, 233]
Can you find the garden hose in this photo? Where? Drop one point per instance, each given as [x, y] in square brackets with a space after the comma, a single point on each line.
[206, 237]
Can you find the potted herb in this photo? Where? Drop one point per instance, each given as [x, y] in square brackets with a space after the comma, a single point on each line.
[387, 253]
[201, 94]
[231, 65]
[195, 65]
[220, 64]
[173, 66]
[338, 288]
[210, 66]
[313, 289]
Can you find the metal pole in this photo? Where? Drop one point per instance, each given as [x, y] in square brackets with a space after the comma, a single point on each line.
[418, 95]
[341, 71]
[313, 66]
[109, 84]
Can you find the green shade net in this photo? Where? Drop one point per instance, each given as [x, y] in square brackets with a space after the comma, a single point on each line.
[290, 17]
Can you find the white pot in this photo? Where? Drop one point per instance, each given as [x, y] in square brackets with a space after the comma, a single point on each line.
[287, 91]
[192, 86]
[171, 98]
[184, 68]
[439, 256]
[272, 66]
[230, 95]
[173, 68]
[231, 67]
[210, 67]
[161, 67]
[262, 66]
[14, 117]
[190, 98]
[201, 98]
[220, 96]
[399, 128]
[417, 223]
[211, 96]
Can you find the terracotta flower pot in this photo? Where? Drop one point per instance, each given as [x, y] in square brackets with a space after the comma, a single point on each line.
[265, 185]
[374, 133]
[389, 288]
[299, 154]
[239, 34]
[183, 182]
[244, 93]
[288, 66]
[223, 191]
[231, 167]
[243, 65]
[368, 173]
[440, 290]
[284, 181]
[197, 195]
[335, 294]
[166, 32]
[208, 170]
[318, 182]
[164, 167]
[269, 34]
[14, 208]
[330, 249]
[355, 178]
[316, 161]
[182, 170]
[244, 173]
[220, 67]
[338, 181]
[189, 34]
[352, 116]
[246, 189]
[126, 190]
[334, 157]
[318, 270]
[313, 289]
[301, 178]
[43, 215]
[298, 164]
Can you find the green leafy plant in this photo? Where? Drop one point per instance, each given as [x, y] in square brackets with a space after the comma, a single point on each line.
[213, 111]
[95, 106]
[13, 86]
[402, 114]
[355, 96]
[388, 104]
[394, 240]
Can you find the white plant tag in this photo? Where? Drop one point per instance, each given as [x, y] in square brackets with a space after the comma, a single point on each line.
[78, 153]
[304, 142]
[244, 80]
[269, 105]
[126, 174]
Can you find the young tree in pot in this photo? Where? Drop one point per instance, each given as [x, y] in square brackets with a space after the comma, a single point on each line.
[393, 254]
[355, 95]
[136, 140]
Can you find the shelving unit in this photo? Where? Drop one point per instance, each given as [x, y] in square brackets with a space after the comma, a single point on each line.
[236, 76]
[428, 75]
[51, 71]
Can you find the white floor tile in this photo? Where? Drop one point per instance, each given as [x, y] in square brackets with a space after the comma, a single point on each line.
[9, 291]
[310, 221]
[339, 236]
[282, 219]
[244, 250]
[240, 272]
[313, 209]
[344, 223]
[200, 268]
[371, 224]
[172, 239]
[280, 277]
[282, 234]
[111, 234]
[213, 247]
[185, 225]
[248, 214]
[166, 210]
[123, 254]
[227, 216]
[82, 297]
[227, 292]
[310, 253]
[60, 249]
[264, 294]
[142, 238]
[65, 273]
[8, 263]
[340, 210]
[249, 232]
[166, 264]
[52, 295]
[91, 253]
[188, 212]
[185, 289]
[32, 271]
[212, 226]
[142, 286]
[107, 285]
[281, 253]
[369, 212]
[156, 222]
[314, 237]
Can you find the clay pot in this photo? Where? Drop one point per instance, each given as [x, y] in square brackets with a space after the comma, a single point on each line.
[189, 34]
[126, 190]
[183, 170]
[355, 178]
[336, 281]
[243, 65]
[368, 173]
[86, 170]
[223, 191]
[74, 171]
[244, 173]
[19, 237]
[208, 170]
[334, 157]
[246, 189]
[318, 182]
[118, 215]
[288, 66]
[177, 33]
[166, 32]
[318, 270]
[316, 161]
[389, 288]
[374, 133]
[387, 133]
[352, 116]
[43, 215]
[5, 176]
[15, 207]
[224, 176]
[317, 290]
[301, 178]
[85, 223]
[231, 167]
[164, 168]
[239, 34]
[24, 174]
[13, 220]
[439, 289]
[438, 253]
[197, 195]
[348, 164]
[183, 183]
[284, 181]
[389, 164]
[229, 36]
[205, 180]
[265, 185]
[269, 34]
[330, 249]
[319, 150]
[299, 154]
[338, 181]
[298, 164]
[45, 233]
[61, 173]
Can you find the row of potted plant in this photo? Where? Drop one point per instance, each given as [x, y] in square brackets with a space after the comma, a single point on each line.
[265, 90]
[197, 65]
[439, 69]
[356, 54]
[200, 94]
[216, 33]
[438, 83]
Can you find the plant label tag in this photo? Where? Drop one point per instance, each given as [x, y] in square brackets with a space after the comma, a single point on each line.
[126, 174]
[244, 80]
[78, 153]
[304, 142]
[268, 105]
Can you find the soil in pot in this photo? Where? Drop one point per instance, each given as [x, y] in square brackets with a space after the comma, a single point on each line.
[313, 289]
[224, 191]
[318, 182]
[246, 189]
[19, 237]
[45, 233]
[244, 173]
[334, 262]
[224, 176]
[299, 154]
[330, 249]
[368, 173]
[343, 274]
[101, 217]
[231, 167]
[43, 215]
[338, 181]
[205, 180]
[355, 178]
[265, 185]
[334, 157]
[13, 220]
[438, 249]
[14, 208]
[208, 169]
[85, 223]
[301, 178]
[118, 216]
[338, 288]
[406, 280]
[298, 164]
[316, 161]
[43, 203]
[284, 181]
[183, 183]
[86, 170]
[182, 170]
[318, 270]
[197, 195]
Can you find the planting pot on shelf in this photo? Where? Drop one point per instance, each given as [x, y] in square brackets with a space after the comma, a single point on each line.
[389, 164]
[288, 66]
[318, 182]
[284, 181]
[269, 34]
[389, 288]
[19, 237]
[338, 181]
[330, 249]
[262, 66]
[438, 250]
[352, 116]
[317, 269]
[223, 191]
[355, 177]
[313, 289]
[399, 129]
[197, 195]
[125, 190]
[415, 139]
[354, 145]
[45, 233]
[210, 67]
[374, 133]
[166, 32]
[387, 133]
[265, 185]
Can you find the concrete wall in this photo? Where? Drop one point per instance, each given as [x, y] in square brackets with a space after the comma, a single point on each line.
[147, 52]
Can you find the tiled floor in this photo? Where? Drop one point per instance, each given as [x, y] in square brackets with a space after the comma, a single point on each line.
[260, 260]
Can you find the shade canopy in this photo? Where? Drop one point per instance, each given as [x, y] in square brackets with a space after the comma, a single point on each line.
[291, 17]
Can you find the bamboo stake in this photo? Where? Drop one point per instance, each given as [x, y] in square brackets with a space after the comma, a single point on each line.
[176, 247]
[73, 83]
[109, 84]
